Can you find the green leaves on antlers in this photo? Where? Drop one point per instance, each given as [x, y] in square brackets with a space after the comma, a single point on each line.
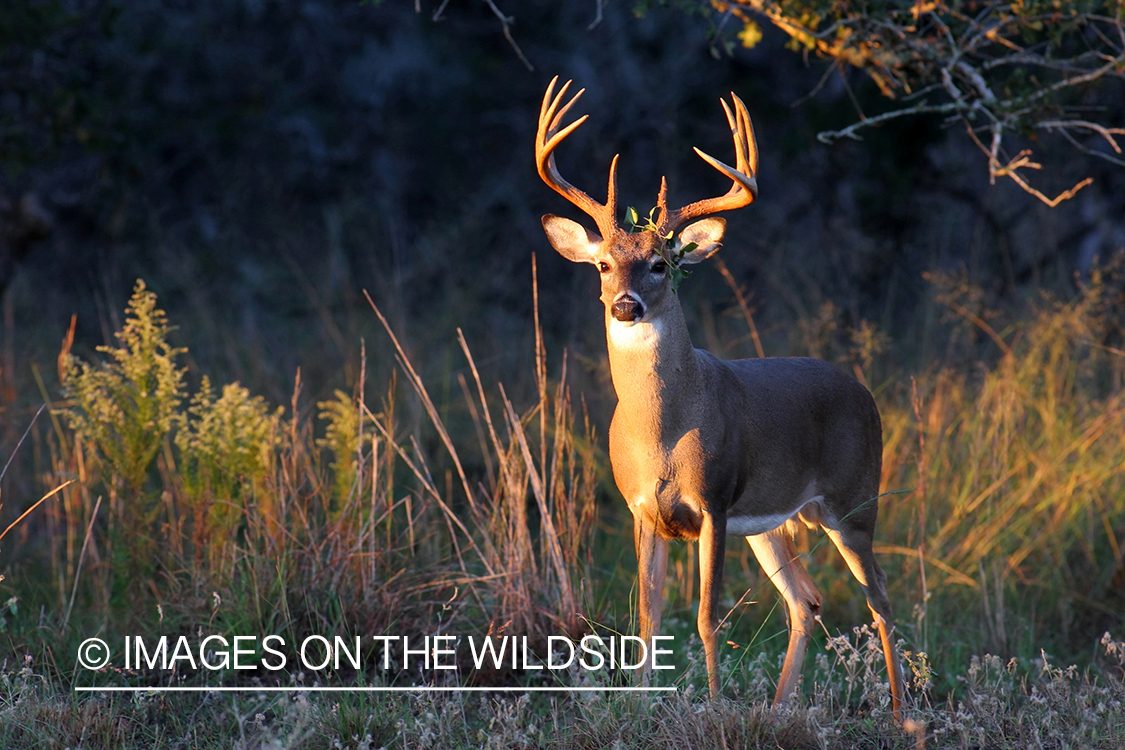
[667, 250]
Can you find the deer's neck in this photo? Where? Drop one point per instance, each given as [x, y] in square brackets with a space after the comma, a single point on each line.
[653, 366]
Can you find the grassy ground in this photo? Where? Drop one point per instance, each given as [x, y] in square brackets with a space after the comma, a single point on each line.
[387, 511]
[999, 706]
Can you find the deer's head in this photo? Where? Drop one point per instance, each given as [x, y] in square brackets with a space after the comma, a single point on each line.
[638, 264]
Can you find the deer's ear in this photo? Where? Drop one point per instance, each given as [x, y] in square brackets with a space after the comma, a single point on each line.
[573, 241]
[707, 236]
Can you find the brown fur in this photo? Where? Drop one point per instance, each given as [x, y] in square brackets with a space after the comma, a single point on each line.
[702, 447]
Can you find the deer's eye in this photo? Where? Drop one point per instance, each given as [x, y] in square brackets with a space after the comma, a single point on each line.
[603, 266]
[659, 267]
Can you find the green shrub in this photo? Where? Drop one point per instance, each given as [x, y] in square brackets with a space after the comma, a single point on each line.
[227, 447]
[126, 406]
[342, 438]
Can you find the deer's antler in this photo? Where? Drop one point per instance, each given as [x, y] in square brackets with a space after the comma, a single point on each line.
[549, 137]
[745, 187]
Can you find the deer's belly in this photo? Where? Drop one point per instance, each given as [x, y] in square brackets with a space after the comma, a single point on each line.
[752, 525]
[679, 514]
[808, 503]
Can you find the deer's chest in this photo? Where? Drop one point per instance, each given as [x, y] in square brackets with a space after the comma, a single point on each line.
[673, 482]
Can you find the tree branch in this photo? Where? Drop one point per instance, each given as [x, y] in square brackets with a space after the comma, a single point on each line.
[931, 47]
[506, 22]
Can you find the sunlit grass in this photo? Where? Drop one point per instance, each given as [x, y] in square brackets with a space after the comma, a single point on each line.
[1018, 509]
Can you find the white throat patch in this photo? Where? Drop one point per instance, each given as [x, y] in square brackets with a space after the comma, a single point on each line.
[634, 335]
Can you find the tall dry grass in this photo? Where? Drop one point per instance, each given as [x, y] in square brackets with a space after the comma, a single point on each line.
[1018, 472]
[228, 512]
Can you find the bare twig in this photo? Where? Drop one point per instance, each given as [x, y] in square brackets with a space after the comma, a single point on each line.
[25, 434]
[27, 512]
[598, 17]
[1089, 151]
[81, 559]
[851, 94]
[507, 21]
[828, 136]
[1022, 160]
[1103, 131]
[816, 89]
[979, 322]
[743, 304]
[921, 92]
[1010, 171]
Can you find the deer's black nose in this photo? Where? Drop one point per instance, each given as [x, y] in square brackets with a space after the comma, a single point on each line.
[627, 309]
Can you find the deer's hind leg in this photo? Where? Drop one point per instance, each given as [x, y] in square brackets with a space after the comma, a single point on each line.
[855, 546]
[778, 557]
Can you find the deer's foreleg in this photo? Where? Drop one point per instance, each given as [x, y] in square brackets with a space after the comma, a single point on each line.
[712, 550]
[652, 565]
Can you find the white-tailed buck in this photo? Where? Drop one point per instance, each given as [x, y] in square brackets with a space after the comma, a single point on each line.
[704, 448]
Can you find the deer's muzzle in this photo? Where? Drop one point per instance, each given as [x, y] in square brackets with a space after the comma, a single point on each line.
[627, 309]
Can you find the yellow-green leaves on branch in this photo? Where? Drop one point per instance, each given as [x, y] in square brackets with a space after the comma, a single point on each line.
[1014, 71]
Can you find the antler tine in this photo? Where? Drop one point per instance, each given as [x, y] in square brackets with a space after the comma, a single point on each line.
[750, 142]
[611, 194]
[548, 137]
[735, 124]
[744, 189]
[547, 113]
[548, 100]
[662, 200]
[557, 119]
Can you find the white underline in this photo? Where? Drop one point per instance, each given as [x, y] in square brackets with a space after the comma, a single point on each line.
[338, 689]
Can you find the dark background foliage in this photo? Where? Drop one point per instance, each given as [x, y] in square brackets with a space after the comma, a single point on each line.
[259, 163]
